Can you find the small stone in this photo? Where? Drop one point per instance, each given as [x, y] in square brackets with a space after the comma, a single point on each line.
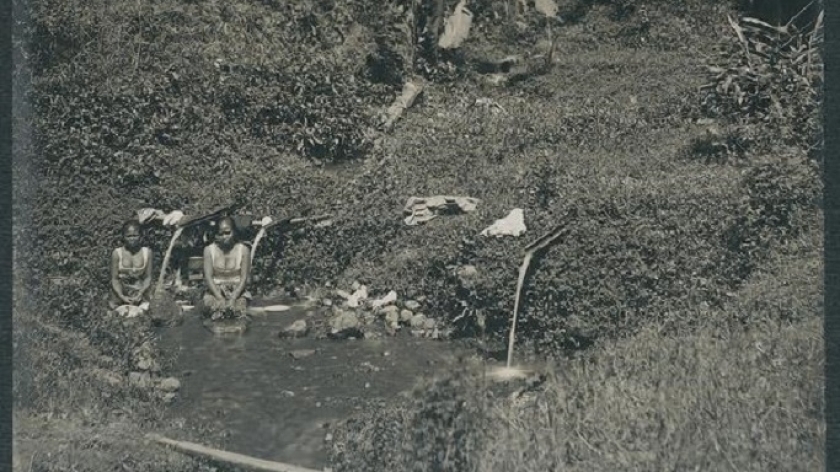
[371, 335]
[170, 384]
[406, 315]
[367, 384]
[169, 397]
[368, 318]
[288, 393]
[328, 437]
[112, 379]
[139, 379]
[144, 364]
[430, 324]
[386, 353]
[391, 309]
[356, 285]
[301, 353]
[418, 333]
[418, 320]
[392, 317]
[467, 271]
[298, 329]
[412, 305]
[317, 404]
[326, 302]
[344, 322]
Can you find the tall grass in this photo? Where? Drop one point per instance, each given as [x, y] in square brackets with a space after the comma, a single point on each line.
[715, 400]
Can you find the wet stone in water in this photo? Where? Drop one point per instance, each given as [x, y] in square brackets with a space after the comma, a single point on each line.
[302, 353]
[344, 321]
[139, 379]
[392, 317]
[391, 310]
[297, 329]
[418, 320]
[170, 384]
[170, 397]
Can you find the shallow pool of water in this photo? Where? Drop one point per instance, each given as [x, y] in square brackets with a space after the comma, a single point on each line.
[275, 406]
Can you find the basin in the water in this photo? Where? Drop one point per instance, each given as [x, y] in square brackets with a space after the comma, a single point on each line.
[273, 395]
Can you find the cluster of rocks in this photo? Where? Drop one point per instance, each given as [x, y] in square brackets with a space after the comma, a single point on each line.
[390, 317]
[147, 374]
[357, 316]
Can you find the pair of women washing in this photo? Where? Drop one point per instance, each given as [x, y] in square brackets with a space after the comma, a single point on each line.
[227, 267]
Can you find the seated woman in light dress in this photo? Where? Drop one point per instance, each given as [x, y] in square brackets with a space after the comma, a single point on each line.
[131, 272]
[227, 266]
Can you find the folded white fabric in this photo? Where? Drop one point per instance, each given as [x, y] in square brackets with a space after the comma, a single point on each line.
[148, 214]
[131, 311]
[173, 218]
[511, 225]
[421, 210]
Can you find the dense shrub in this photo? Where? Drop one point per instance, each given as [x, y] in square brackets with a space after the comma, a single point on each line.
[770, 79]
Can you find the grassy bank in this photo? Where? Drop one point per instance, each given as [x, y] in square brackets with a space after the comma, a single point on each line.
[723, 397]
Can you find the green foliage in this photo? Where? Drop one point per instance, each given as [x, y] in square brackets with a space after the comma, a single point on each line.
[770, 78]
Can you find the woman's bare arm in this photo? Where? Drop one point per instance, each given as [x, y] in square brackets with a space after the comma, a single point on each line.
[245, 272]
[115, 279]
[208, 273]
[147, 278]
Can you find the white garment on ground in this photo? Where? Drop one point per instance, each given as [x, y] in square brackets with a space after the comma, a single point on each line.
[511, 225]
[131, 311]
[420, 210]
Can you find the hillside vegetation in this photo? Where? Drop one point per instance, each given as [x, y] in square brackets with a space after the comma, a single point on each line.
[686, 171]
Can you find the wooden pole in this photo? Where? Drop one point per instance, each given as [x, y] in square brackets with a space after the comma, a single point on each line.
[233, 458]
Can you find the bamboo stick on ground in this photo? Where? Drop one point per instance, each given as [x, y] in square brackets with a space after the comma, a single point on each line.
[233, 458]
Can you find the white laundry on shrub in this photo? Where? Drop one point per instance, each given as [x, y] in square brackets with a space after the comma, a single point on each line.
[511, 225]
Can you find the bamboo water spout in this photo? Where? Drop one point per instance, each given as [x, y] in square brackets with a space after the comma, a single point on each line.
[290, 221]
[534, 249]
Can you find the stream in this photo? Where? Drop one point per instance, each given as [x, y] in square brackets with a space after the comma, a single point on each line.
[277, 407]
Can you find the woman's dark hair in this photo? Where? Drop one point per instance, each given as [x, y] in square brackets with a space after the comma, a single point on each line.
[130, 224]
[231, 222]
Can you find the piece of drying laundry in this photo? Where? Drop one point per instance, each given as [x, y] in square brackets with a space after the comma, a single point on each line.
[511, 225]
[131, 311]
[421, 210]
[148, 214]
[173, 218]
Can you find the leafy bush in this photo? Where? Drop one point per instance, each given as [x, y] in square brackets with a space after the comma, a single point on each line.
[770, 78]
